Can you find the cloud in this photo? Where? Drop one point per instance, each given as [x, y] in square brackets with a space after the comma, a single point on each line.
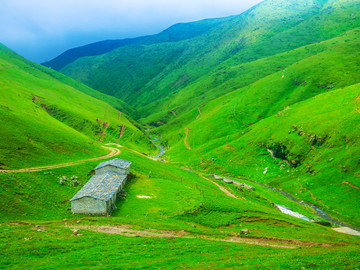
[40, 29]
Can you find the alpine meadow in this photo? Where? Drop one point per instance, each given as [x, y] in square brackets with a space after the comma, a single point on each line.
[236, 141]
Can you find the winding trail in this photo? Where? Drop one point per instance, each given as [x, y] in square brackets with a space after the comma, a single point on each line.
[113, 152]
[351, 185]
[237, 118]
[200, 112]
[174, 113]
[227, 192]
[185, 140]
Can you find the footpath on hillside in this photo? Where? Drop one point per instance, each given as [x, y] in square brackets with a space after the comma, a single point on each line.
[116, 151]
[113, 152]
[127, 230]
[227, 192]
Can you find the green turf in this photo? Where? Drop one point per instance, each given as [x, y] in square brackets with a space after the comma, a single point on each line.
[57, 249]
[46, 121]
[280, 78]
[153, 74]
[175, 201]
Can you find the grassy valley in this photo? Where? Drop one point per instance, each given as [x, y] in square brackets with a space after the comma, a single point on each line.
[305, 115]
[182, 213]
[255, 111]
[265, 30]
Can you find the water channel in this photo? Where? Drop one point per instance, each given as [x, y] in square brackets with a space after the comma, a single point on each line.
[162, 150]
[319, 212]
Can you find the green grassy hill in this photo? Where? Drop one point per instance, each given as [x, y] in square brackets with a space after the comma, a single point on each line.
[305, 114]
[271, 96]
[47, 119]
[151, 74]
[231, 77]
[182, 213]
[206, 93]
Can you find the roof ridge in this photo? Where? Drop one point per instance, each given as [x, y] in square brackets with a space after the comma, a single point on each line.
[93, 188]
[123, 163]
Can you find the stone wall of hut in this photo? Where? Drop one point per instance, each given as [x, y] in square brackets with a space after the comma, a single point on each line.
[89, 206]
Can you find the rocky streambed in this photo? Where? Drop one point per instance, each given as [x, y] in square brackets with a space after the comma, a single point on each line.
[319, 212]
[162, 150]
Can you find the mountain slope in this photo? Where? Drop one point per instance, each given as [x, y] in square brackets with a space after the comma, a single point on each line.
[206, 94]
[164, 69]
[231, 77]
[46, 121]
[304, 116]
[270, 97]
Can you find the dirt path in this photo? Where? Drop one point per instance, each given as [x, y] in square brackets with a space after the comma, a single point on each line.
[237, 118]
[115, 144]
[122, 130]
[185, 140]
[200, 112]
[351, 185]
[227, 146]
[126, 230]
[227, 192]
[113, 152]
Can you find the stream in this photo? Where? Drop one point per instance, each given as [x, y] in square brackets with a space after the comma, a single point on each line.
[288, 211]
[162, 150]
[320, 213]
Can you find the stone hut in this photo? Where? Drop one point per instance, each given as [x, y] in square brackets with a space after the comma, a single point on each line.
[99, 194]
[116, 165]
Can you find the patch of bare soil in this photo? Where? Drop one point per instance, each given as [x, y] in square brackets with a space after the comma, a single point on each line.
[174, 113]
[122, 130]
[127, 230]
[186, 169]
[272, 222]
[185, 140]
[200, 112]
[227, 146]
[351, 185]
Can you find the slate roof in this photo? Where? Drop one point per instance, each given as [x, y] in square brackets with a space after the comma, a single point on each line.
[101, 187]
[117, 162]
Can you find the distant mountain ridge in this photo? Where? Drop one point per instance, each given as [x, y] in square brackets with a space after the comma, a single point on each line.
[177, 32]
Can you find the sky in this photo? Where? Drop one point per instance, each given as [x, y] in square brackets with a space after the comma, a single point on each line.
[42, 29]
